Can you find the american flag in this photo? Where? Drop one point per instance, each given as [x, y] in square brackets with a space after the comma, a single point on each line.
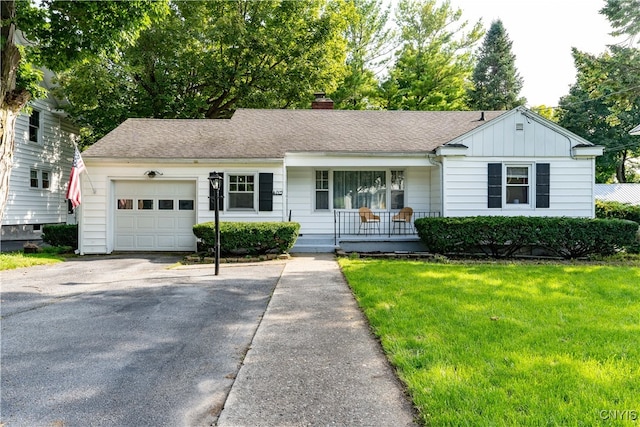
[73, 191]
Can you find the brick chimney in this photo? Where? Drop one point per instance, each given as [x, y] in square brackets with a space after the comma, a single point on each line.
[321, 102]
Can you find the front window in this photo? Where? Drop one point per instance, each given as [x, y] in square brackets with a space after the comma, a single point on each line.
[517, 185]
[34, 126]
[354, 189]
[241, 191]
[322, 189]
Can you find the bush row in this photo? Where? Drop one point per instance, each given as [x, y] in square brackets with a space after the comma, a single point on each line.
[61, 235]
[506, 236]
[617, 210]
[248, 238]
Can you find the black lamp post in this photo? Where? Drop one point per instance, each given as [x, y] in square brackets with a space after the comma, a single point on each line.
[215, 181]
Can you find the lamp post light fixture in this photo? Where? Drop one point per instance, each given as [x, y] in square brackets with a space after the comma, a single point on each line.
[215, 181]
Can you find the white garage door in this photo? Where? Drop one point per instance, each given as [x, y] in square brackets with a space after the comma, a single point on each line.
[155, 215]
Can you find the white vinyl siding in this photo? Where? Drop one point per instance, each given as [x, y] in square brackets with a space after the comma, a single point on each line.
[98, 210]
[53, 155]
[571, 188]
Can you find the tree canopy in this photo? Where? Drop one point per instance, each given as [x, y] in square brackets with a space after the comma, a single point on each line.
[206, 58]
[434, 64]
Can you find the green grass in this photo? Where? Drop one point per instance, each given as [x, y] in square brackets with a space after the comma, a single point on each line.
[12, 260]
[505, 344]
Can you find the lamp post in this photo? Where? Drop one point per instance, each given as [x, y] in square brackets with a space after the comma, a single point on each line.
[214, 180]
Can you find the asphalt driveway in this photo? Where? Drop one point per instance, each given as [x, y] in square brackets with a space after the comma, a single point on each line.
[126, 341]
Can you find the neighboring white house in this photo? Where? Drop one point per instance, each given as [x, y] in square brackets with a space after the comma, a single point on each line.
[635, 130]
[623, 193]
[317, 167]
[41, 165]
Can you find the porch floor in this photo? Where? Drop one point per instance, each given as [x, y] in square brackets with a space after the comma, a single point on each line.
[327, 243]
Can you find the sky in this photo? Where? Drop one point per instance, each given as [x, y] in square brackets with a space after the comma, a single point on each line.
[543, 33]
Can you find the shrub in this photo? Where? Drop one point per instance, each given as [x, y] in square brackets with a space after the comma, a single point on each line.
[505, 236]
[610, 210]
[61, 235]
[249, 238]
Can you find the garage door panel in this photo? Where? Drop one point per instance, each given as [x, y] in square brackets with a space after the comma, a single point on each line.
[160, 228]
[167, 223]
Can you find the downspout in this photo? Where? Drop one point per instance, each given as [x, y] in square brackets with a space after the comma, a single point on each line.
[285, 193]
[433, 161]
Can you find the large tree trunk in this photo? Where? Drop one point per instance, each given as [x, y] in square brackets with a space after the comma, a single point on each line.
[11, 100]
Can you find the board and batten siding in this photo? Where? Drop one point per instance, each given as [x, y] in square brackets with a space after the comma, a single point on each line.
[518, 139]
[52, 153]
[98, 207]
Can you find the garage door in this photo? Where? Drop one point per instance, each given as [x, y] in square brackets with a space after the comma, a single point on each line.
[155, 215]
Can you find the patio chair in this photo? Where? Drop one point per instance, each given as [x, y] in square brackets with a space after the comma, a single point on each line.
[403, 218]
[368, 220]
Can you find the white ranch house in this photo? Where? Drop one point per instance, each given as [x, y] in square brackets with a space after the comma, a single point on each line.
[149, 177]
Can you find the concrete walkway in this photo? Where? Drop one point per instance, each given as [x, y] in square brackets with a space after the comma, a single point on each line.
[313, 360]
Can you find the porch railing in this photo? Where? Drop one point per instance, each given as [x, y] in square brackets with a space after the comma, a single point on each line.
[349, 223]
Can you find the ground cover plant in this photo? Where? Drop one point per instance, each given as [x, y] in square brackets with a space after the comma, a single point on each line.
[504, 344]
[11, 260]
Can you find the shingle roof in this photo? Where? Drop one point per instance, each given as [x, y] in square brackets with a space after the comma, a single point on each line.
[623, 193]
[272, 133]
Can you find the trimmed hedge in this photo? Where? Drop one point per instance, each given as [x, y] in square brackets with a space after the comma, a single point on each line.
[61, 235]
[248, 238]
[501, 237]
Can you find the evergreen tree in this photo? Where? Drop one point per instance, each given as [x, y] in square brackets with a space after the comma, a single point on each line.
[497, 84]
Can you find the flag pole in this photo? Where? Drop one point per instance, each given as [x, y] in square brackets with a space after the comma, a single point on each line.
[75, 146]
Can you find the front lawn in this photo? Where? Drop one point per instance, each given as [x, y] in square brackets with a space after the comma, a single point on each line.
[508, 343]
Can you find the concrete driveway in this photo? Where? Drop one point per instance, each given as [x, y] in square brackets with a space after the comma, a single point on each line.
[126, 341]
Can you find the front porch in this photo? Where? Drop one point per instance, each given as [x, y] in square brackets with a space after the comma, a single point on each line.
[384, 231]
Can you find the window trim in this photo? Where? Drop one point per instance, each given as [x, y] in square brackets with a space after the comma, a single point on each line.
[316, 190]
[228, 192]
[38, 128]
[530, 185]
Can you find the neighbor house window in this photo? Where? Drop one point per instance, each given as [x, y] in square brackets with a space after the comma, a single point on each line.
[517, 185]
[354, 189]
[397, 189]
[46, 181]
[322, 190]
[241, 191]
[34, 126]
[34, 179]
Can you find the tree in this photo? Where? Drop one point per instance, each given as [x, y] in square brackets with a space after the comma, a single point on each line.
[57, 34]
[496, 82]
[368, 45]
[588, 118]
[616, 73]
[433, 67]
[206, 58]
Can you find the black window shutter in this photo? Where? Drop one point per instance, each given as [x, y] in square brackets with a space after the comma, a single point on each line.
[265, 189]
[495, 185]
[212, 205]
[543, 181]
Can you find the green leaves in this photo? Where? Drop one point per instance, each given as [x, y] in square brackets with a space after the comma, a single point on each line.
[433, 67]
